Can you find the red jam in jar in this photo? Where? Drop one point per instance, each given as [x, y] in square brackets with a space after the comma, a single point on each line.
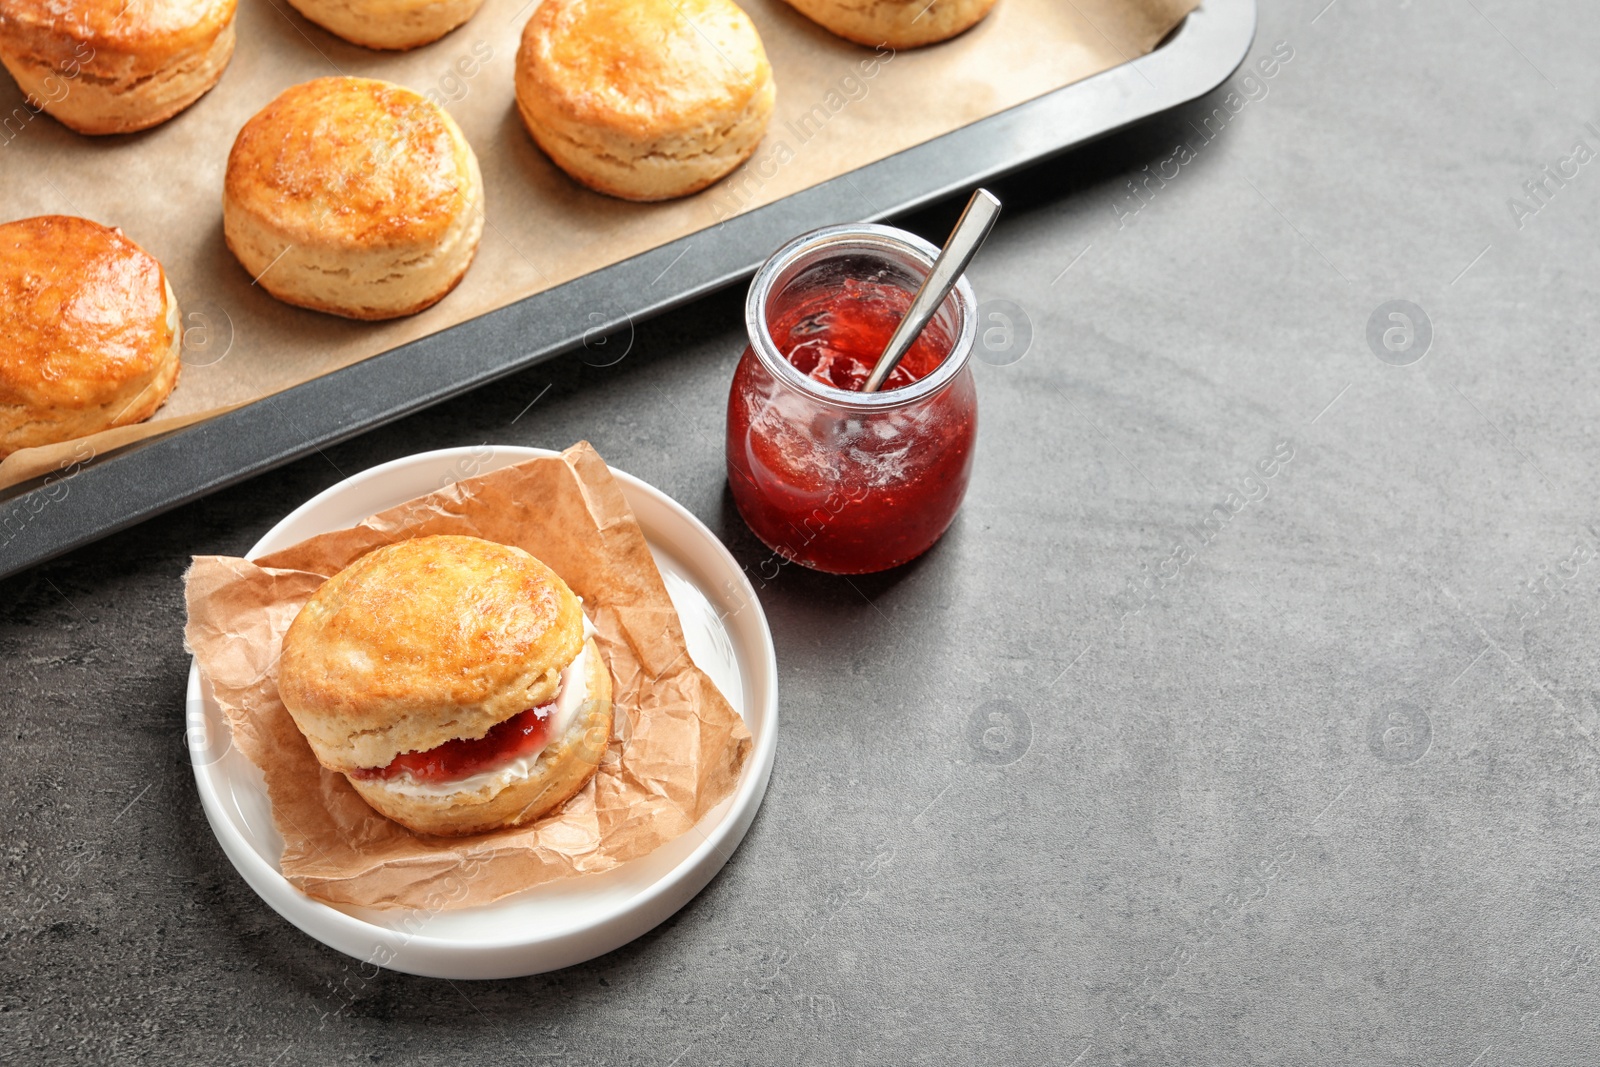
[835, 336]
[827, 476]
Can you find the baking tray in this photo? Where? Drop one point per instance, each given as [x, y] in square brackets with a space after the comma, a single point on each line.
[40, 520]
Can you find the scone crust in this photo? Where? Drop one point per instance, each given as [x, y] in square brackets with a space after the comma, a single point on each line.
[351, 162]
[109, 66]
[562, 769]
[92, 333]
[111, 37]
[896, 23]
[644, 99]
[355, 197]
[424, 641]
[394, 25]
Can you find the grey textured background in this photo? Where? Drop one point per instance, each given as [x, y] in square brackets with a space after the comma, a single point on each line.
[1322, 793]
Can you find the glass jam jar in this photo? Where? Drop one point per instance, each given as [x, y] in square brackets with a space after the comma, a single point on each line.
[829, 477]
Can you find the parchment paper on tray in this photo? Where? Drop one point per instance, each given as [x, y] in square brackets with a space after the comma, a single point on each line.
[840, 106]
[676, 749]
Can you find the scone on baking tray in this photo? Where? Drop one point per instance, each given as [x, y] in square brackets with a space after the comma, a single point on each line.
[115, 66]
[453, 681]
[644, 99]
[896, 23]
[90, 333]
[388, 24]
[353, 196]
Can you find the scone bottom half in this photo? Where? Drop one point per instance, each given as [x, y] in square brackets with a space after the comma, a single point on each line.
[521, 770]
[453, 681]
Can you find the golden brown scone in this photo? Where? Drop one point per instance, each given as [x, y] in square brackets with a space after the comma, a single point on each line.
[388, 24]
[644, 99]
[355, 197]
[115, 66]
[422, 642]
[561, 770]
[90, 334]
[896, 23]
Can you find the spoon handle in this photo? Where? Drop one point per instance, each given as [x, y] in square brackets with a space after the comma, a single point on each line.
[977, 219]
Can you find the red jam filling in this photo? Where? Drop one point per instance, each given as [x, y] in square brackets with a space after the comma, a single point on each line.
[837, 337]
[848, 494]
[525, 732]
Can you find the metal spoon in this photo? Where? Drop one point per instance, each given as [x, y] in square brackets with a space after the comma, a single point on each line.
[972, 228]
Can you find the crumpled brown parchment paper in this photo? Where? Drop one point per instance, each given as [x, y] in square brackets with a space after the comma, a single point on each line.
[676, 750]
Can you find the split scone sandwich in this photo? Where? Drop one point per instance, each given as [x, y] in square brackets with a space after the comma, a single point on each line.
[454, 681]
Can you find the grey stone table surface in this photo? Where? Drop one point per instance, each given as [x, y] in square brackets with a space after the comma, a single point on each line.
[1096, 781]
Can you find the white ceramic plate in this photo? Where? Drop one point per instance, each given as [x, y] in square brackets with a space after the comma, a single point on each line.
[548, 926]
